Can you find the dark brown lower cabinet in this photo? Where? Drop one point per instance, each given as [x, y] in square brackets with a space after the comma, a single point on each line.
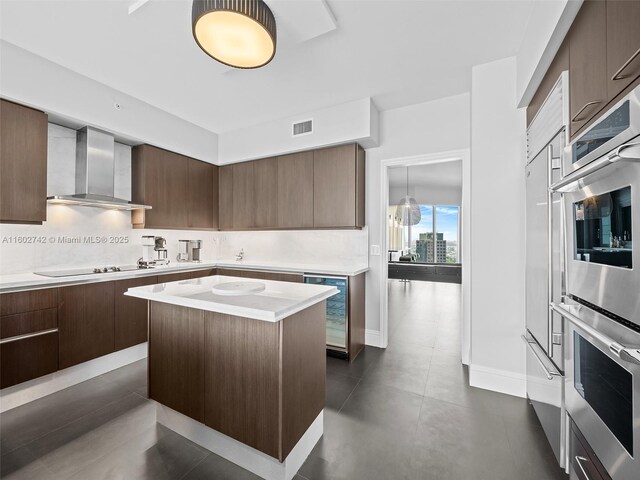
[277, 276]
[261, 383]
[29, 358]
[356, 315]
[130, 322]
[85, 322]
[203, 273]
[174, 277]
[176, 358]
[242, 380]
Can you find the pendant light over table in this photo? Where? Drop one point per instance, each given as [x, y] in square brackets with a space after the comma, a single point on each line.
[408, 210]
[238, 33]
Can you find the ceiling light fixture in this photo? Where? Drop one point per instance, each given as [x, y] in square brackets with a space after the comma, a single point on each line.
[238, 33]
[408, 210]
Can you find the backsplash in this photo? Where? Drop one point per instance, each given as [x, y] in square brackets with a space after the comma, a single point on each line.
[317, 247]
[83, 237]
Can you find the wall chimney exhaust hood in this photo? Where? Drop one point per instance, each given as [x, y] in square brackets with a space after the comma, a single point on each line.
[95, 162]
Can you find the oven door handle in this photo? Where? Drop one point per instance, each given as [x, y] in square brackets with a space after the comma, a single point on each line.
[628, 354]
[547, 372]
[629, 152]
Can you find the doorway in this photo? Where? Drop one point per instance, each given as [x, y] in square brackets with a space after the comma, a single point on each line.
[425, 274]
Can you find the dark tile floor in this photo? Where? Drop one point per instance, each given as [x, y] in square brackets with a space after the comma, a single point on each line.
[402, 413]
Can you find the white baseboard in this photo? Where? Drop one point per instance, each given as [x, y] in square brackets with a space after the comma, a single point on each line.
[373, 338]
[26, 392]
[502, 381]
[236, 452]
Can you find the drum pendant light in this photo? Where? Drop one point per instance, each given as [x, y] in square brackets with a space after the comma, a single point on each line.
[408, 210]
[238, 33]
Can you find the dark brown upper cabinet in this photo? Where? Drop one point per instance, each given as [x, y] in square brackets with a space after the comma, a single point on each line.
[338, 187]
[244, 196]
[559, 64]
[623, 44]
[295, 190]
[85, 322]
[181, 191]
[225, 195]
[203, 195]
[23, 164]
[587, 60]
[265, 173]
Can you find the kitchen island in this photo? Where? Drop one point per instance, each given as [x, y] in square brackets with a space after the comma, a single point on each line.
[241, 375]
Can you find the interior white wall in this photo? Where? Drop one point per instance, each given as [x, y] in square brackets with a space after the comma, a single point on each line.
[547, 27]
[355, 121]
[497, 229]
[430, 127]
[428, 195]
[32, 80]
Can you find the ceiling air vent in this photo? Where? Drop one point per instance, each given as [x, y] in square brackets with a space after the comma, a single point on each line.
[303, 128]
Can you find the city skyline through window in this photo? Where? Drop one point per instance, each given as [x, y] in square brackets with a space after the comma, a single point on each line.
[446, 248]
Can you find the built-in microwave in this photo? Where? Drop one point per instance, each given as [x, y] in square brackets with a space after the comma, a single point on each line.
[619, 125]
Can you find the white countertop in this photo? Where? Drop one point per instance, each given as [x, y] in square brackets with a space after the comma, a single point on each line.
[277, 301]
[26, 281]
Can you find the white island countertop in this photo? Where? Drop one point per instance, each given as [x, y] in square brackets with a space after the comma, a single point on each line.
[277, 301]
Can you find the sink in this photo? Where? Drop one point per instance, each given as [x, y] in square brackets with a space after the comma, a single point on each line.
[238, 288]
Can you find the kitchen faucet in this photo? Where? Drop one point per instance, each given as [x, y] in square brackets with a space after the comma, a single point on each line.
[240, 255]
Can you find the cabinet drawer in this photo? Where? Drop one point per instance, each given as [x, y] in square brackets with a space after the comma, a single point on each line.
[27, 359]
[20, 302]
[29, 322]
[203, 273]
[584, 463]
[174, 277]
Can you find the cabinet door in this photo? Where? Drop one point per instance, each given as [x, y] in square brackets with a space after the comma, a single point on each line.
[176, 358]
[27, 359]
[23, 164]
[334, 187]
[174, 277]
[130, 313]
[559, 64]
[29, 301]
[85, 322]
[203, 273]
[623, 44]
[160, 179]
[295, 190]
[244, 198]
[265, 173]
[225, 197]
[202, 203]
[587, 58]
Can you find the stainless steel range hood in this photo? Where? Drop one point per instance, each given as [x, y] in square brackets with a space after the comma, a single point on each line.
[95, 160]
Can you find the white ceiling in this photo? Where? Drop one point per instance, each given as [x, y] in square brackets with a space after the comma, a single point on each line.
[439, 175]
[398, 52]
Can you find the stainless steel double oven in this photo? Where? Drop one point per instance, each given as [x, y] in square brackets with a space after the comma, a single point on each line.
[601, 308]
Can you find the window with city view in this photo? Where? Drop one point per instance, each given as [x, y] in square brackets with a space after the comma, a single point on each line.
[419, 239]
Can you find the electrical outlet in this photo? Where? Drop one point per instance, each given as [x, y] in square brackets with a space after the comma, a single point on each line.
[375, 250]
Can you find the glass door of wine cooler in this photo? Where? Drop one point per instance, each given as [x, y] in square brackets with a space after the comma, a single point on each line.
[337, 310]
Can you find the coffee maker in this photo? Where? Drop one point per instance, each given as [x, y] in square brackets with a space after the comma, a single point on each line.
[154, 252]
[189, 250]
